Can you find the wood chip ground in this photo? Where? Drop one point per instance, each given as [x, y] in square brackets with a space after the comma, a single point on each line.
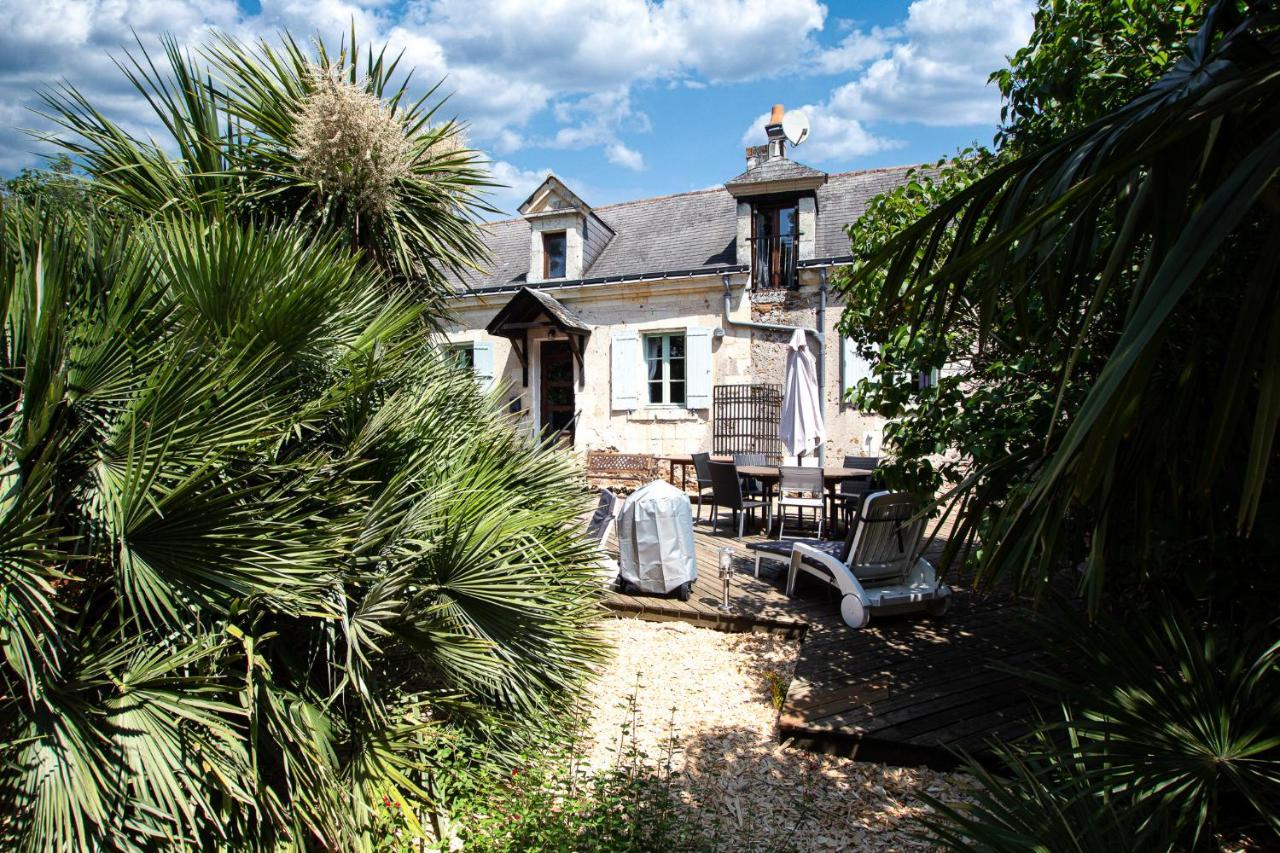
[701, 702]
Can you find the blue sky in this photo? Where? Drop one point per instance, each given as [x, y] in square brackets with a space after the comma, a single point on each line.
[621, 98]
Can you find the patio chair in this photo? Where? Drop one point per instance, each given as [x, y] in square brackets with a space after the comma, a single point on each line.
[850, 494]
[702, 468]
[751, 485]
[598, 525]
[801, 489]
[883, 570]
[726, 493]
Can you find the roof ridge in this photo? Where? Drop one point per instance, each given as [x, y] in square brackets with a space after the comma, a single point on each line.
[720, 188]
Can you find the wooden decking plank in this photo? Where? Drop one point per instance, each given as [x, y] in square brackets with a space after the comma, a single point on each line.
[903, 691]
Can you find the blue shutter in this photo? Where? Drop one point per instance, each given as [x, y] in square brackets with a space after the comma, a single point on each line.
[853, 367]
[697, 365]
[625, 376]
[482, 357]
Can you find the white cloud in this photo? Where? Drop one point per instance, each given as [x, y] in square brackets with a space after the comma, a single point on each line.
[931, 70]
[832, 137]
[855, 50]
[937, 75]
[517, 185]
[621, 155]
[512, 66]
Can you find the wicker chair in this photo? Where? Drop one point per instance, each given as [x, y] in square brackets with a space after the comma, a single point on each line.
[751, 485]
[702, 467]
[848, 498]
[726, 491]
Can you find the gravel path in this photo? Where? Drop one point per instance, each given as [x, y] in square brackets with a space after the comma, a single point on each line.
[704, 701]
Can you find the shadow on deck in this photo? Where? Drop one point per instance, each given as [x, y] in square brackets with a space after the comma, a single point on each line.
[906, 690]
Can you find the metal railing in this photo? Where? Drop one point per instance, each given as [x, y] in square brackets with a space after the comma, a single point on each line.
[773, 262]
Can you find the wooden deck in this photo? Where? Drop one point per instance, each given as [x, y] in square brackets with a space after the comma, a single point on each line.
[905, 690]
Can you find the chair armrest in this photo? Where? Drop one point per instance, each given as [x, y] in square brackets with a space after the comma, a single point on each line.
[841, 577]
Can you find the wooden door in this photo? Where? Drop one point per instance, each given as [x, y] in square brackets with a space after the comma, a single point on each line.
[557, 389]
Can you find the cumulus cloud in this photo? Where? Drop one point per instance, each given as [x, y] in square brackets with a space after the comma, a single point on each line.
[555, 75]
[937, 74]
[517, 185]
[832, 137]
[931, 70]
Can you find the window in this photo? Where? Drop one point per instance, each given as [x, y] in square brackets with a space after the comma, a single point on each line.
[553, 255]
[776, 228]
[664, 358]
[462, 355]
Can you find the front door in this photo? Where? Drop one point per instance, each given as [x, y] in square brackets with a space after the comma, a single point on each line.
[557, 389]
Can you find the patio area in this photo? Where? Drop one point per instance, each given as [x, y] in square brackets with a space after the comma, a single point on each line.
[906, 690]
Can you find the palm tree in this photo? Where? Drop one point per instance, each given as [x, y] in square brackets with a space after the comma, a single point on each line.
[263, 560]
[333, 141]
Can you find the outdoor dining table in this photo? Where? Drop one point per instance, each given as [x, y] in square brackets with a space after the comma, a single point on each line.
[832, 476]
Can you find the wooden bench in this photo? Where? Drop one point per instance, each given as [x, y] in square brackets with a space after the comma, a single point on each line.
[634, 469]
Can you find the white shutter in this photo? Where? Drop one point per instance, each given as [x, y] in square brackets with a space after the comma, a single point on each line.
[853, 367]
[482, 358]
[697, 367]
[624, 379]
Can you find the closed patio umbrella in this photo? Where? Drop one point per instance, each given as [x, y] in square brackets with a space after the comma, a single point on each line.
[801, 430]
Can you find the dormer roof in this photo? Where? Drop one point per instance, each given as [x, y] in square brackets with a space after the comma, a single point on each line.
[778, 174]
[553, 197]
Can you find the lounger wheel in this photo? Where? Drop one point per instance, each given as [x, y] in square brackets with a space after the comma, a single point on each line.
[854, 612]
[940, 606]
[684, 591]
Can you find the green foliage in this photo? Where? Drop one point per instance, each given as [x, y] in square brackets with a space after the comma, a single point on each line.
[265, 557]
[551, 802]
[55, 186]
[1133, 259]
[1085, 59]
[1167, 737]
[235, 115]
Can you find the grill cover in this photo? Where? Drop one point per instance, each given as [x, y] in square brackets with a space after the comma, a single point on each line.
[655, 539]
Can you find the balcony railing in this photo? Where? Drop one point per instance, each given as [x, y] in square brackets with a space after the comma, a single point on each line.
[773, 262]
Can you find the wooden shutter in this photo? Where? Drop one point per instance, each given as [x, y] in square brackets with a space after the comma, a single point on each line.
[853, 367]
[482, 358]
[697, 366]
[625, 377]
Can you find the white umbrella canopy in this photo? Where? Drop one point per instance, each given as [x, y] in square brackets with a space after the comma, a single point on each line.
[802, 430]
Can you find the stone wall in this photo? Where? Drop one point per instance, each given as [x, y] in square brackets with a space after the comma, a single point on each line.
[848, 430]
[739, 356]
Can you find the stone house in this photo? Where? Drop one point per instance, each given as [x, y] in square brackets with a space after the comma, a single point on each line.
[660, 325]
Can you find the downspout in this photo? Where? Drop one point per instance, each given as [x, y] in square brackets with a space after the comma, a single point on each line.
[778, 327]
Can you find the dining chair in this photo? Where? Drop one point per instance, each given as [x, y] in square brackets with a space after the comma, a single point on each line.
[801, 488]
[702, 468]
[726, 493]
[850, 493]
[751, 485]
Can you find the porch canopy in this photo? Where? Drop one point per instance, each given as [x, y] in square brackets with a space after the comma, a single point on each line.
[533, 309]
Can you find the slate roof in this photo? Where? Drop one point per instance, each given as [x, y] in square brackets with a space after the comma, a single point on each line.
[528, 304]
[681, 233]
[777, 169]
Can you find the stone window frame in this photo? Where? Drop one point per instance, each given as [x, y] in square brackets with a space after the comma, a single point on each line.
[563, 234]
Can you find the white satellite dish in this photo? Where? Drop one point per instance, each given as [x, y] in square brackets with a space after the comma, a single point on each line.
[795, 125]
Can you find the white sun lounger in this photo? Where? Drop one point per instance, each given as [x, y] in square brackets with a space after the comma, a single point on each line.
[883, 572]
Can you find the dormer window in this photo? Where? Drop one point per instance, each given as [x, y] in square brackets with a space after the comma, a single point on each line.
[776, 228]
[554, 254]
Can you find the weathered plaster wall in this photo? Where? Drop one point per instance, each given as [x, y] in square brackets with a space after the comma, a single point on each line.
[848, 430]
[741, 356]
[645, 307]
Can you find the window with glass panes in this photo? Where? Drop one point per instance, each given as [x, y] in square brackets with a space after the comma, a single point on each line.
[463, 355]
[664, 358]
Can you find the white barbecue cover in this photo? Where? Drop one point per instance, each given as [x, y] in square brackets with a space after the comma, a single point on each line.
[801, 428]
[655, 538]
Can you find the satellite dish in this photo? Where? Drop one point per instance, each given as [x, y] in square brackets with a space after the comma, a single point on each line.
[795, 125]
